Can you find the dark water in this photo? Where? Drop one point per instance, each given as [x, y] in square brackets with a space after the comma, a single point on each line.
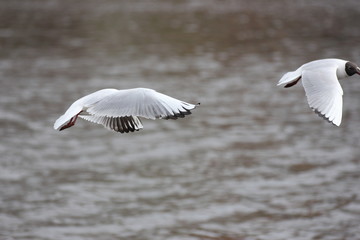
[252, 163]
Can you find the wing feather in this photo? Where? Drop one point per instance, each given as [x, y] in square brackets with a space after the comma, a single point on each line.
[118, 124]
[324, 92]
[140, 102]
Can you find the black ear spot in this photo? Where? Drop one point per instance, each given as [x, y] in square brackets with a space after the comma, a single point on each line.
[350, 68]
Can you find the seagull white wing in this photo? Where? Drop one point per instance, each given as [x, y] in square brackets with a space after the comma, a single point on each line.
[324, 92]
[141, 102]
[79, 105]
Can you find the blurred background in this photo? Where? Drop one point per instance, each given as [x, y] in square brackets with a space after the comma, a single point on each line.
[251, 163]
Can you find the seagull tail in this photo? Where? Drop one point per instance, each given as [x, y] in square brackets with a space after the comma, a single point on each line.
[69, 118]
[290, 79]
[65, 121]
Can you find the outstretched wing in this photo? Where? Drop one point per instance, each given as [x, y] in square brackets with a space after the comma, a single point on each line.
[119, 124]
[141, 102]
[324, 92]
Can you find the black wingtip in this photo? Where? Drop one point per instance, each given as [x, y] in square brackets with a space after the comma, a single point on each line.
[323, 116]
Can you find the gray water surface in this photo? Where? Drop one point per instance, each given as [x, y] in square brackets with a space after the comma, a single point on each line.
[251, 163]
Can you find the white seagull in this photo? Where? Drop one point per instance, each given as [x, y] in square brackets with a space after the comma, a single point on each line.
[119, 110]
[320, 79]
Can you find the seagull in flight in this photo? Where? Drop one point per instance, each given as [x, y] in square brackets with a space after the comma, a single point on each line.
[320, 80]
[119, 110]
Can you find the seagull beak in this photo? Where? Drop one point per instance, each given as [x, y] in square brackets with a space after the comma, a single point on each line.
[358, 70]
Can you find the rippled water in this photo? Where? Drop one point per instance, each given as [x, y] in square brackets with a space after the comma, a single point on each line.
[252, 162]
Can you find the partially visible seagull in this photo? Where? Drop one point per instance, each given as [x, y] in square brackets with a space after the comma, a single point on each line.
[320, 79]
[119, 110]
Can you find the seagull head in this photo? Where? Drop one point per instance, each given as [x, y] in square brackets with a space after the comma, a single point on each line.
[351, 68]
